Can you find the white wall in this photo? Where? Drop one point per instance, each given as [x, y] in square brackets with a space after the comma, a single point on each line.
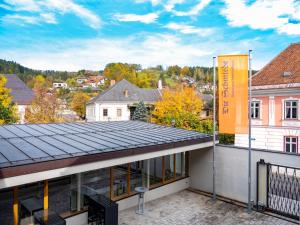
[232, 169]
[155, 193]
[90, 113]
[112, 112]
[270, 138]
[21, 112]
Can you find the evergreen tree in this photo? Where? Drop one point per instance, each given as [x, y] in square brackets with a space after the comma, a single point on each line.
[140, 112]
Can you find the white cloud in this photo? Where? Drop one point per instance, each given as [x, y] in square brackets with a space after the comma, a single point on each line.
[96, 53]
[171, 4]
[194, 11]
[147, 18]
[188, 29]
[153, 2]
[23, 5]
[20, 19]
[68, 6]
[48, 8]
[262, 14]
[49, 18]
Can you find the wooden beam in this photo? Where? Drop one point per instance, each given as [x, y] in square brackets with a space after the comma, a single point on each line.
[46, 199]
[15, 206]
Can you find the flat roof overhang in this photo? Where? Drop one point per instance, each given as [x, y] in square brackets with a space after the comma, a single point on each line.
[34, 172]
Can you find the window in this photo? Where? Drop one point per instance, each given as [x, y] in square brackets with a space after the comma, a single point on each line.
[291, 109]
[105, 112]
[156, 173]
[169, 167]
[291, 144]
[119, 112]
[255, 109]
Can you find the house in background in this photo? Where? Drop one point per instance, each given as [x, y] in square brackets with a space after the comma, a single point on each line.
[119, 101]
[275, 107]
[22, 95]
[60, 85]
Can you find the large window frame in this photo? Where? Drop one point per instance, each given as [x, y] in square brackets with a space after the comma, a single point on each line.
[291, 106]
[255, 109]
[290, 141]
[129, 192]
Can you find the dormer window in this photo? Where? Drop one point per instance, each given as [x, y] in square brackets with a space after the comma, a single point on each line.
[126, 93]
[287, 74]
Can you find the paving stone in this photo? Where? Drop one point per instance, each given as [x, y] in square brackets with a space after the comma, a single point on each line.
[189, 208]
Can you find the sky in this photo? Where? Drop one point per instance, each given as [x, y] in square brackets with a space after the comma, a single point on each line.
[87, 34]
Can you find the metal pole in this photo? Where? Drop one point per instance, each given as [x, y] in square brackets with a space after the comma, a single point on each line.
[249, 136]
[214, 130]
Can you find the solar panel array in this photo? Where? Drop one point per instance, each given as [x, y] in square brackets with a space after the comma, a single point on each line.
[23, 144]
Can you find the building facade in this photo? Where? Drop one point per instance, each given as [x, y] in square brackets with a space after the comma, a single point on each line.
[275, 108]
[118, 102]
[22, 96]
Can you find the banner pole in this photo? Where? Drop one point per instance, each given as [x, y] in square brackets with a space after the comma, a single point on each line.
[249, 136]
[214, 130]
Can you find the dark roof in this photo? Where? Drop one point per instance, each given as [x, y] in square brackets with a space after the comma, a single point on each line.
[288, 61]
[116, 92]
[22, 95]
[23, 145]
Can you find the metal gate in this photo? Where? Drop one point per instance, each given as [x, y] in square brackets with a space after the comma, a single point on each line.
[278, 189]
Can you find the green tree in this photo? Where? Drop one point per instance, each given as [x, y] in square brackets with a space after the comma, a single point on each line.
[8, 111]
[140, 112]
[173, 71]
[79, 102]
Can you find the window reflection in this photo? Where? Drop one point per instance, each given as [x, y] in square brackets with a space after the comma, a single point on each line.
[120, 175]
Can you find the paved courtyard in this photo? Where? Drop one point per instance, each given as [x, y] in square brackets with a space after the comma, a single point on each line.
[188, 208]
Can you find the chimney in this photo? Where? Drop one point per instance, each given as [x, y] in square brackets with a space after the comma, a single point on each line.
[126, 93]
[159, 85]
[112, 82]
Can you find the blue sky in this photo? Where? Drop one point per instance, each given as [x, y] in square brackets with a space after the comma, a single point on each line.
[88, 34]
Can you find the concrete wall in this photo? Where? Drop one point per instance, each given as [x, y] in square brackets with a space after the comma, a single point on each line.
[232, 169]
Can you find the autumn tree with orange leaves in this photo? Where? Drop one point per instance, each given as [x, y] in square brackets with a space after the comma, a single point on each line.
[183, 108]
[44, 108]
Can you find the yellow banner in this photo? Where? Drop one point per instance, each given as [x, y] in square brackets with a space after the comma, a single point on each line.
[233, 94]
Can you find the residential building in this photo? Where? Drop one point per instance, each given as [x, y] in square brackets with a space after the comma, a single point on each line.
[119, 101]
[81, 80]
[275, 106]
[60, 85]
[21, 94]
[95, 81]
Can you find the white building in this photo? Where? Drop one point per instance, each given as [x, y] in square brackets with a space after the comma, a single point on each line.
[275, 107]
[60, 85]
[21, 94]
[119, 101]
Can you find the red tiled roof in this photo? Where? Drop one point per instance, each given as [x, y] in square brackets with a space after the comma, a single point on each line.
[287, 61]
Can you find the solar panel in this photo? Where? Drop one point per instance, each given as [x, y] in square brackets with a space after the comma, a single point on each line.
[49, 149]
[74, 143]
[17, 131]
[28, 148]
[11, 152]
[5, 133]
[21, 144]
[60, 145]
